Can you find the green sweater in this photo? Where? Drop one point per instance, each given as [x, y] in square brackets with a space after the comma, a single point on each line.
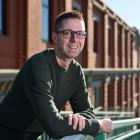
[40, 91]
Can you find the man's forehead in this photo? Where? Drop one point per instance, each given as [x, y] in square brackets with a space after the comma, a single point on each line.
[73, 23]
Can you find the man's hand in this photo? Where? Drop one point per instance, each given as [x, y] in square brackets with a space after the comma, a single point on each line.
[106, 125]
[77, 121]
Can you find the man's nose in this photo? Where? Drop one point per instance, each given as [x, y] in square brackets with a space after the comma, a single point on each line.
[73, 36]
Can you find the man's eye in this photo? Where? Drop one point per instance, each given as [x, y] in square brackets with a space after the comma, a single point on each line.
[80, 34]
[67, 33]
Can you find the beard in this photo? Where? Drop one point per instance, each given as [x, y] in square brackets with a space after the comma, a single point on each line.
[71, 53]
[69, 50]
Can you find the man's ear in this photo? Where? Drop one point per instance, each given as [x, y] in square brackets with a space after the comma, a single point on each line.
[54, 37]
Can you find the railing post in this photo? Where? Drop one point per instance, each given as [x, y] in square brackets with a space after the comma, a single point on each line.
[101, 136]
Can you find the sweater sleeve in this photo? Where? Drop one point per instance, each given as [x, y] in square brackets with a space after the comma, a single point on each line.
[80, 101]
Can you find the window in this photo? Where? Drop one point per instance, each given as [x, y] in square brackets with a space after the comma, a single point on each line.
[96, 37]
[45, 20]
[96, 33]
[1, 15]
[110, 36]
[76, 5]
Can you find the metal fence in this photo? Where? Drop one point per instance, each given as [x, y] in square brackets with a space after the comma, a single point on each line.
[128, 129]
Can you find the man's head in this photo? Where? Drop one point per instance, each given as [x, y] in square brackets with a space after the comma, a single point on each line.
[69, 35]
[67, 15]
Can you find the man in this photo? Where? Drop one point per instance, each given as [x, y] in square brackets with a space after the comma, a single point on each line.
[45, 83]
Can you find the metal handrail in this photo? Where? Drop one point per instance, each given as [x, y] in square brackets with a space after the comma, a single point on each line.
[8, 74]
[128, 135]
[106, 112]
[117, 124]
[110, 70]
[120, 124]
[126, 122]
[114, 113]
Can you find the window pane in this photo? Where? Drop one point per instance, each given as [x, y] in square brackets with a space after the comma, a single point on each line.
[45, 20]
[76, 5]
[0, 16]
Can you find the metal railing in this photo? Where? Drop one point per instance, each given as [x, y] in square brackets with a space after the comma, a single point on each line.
[115, 115]
[127, 129]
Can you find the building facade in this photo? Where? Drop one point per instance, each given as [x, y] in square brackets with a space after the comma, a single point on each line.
[110, 57]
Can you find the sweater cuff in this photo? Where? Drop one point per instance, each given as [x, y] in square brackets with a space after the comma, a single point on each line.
[96, 127]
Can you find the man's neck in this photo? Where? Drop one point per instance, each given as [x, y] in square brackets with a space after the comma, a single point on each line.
[64, 63]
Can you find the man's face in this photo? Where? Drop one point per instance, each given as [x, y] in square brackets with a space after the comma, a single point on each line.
[70, 38]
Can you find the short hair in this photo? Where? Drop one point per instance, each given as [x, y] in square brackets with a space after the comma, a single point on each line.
[67, 15]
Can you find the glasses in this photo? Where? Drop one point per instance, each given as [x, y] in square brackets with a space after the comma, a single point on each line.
[68, 34]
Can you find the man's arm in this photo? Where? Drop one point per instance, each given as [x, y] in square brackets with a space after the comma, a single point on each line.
[51, 120]
[83, 108]
[40, 97]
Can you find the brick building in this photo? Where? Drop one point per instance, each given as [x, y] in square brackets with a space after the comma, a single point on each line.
[110, 57]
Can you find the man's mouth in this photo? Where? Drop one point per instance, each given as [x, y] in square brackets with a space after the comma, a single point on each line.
[73, 47]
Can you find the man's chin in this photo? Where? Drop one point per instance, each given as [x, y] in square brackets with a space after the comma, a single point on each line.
[72, 56]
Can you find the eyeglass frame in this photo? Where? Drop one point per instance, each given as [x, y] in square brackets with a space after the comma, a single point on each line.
[72, 33]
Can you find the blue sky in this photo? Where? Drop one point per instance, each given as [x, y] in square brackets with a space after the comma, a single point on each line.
[128, 10]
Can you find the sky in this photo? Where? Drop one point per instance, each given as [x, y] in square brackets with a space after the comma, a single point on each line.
[128, 10]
